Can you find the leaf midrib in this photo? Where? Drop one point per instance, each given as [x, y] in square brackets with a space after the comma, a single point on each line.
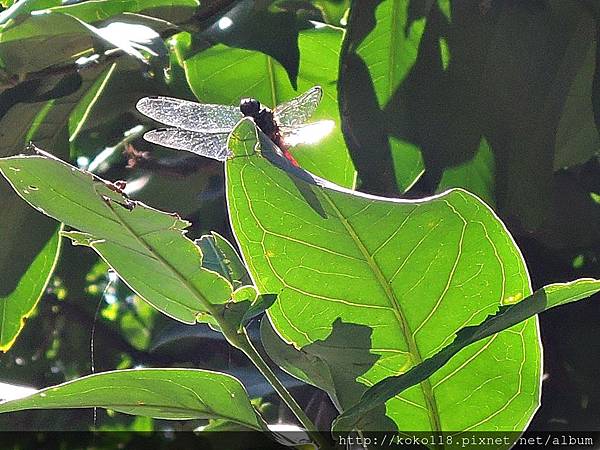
[155, 406]
[431, 405]
[432, 410]
[182, 279]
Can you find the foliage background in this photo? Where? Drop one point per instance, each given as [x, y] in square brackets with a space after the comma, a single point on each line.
[499, 97]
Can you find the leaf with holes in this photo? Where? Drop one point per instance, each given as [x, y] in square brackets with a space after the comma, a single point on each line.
[371, 286]
[147, 247]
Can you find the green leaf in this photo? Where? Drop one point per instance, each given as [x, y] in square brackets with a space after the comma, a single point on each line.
[317, 365]
[476, 175]
[146, 247]
[220, 256]
[245, 293]
[258, 306]
[21, 302]
[507, 316]
[80, 114]
[380, 49]
[24, 7]
[27, 259]
[383, 284]
[51, 126]
[224, 75]
[129, 38]
[112, 106]
[21, 44]
[177, 394]
[100, 10]
[18, 246]
[577, 138]
[333, 10]
[251, 26]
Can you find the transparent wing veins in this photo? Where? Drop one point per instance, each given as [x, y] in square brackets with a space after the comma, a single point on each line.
[190, 116]
[210, 144]
[299, 109]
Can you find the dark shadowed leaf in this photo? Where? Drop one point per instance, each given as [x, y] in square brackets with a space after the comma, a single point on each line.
[22, 42]
[28, 241]
[380, 49]
[475, 175]
[440, 77]
[577, 138]
[249, 26]
[20, 303]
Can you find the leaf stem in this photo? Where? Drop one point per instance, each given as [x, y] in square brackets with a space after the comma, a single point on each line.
[248, 348]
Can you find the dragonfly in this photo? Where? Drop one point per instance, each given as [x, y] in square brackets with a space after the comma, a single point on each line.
[203, 128]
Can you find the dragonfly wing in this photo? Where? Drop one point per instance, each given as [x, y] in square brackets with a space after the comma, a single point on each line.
[190, 115]
[309, 133]
[210, 144]
[298, 110]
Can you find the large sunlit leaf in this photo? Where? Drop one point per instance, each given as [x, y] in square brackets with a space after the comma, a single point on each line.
[176, 394]
[374, 286]
[225, 75]
[146, 247]
[548, 297]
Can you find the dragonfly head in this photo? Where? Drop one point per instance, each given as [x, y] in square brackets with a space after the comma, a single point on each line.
[250, 107]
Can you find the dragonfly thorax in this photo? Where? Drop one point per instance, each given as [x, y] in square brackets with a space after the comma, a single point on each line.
[250, 107]
[262, 115]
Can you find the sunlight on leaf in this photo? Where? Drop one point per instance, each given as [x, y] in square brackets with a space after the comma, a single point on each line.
[159, 393]
[373, 286]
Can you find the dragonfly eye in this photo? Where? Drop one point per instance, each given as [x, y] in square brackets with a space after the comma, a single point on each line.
[250, 107]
